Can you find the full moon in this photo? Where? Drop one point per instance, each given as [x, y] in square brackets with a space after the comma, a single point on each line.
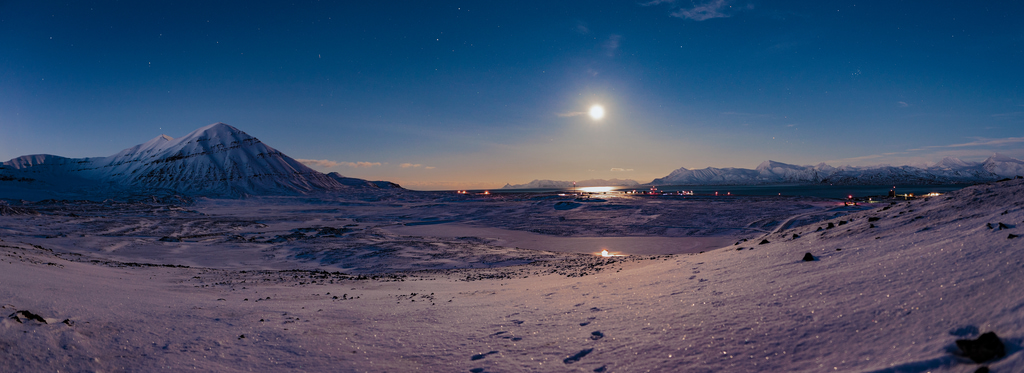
[597, 112]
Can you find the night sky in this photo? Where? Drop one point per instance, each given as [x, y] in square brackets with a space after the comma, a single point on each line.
[474, 94]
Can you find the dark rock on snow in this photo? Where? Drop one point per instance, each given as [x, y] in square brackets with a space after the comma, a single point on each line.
[986, 347]
[27, 315]
[578, 356]
[808, 257]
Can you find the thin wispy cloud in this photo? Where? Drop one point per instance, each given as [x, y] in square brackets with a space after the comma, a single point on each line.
[701, 12]
[616, 169]
[570, 114]
[713, 9]
[978, 142]
[329, 163]
[416, 165]
[902, 104]
[611, 46]
[976, 150]
[581, 28]
[740, 114]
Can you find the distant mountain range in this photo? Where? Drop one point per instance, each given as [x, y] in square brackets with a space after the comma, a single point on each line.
[554, 184]
[947, 171]
[215, 160]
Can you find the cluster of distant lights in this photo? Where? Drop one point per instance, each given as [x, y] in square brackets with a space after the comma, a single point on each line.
[467, 192]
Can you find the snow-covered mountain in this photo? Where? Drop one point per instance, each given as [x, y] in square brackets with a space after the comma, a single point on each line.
[556, 184]
[217, 160]
[946, 171]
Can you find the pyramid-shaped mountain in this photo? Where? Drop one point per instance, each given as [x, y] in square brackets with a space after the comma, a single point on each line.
[215, 160]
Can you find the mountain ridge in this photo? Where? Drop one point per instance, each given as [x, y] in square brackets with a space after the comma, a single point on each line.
[947, 171]
[214, 160]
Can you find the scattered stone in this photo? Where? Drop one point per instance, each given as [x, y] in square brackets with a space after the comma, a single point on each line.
[481, 356]
[989, 225]
[763, 242]
[819, 229]
[68, 322]
[596, 335]
[874, 218]
[27, 315]
[986, 347]
[795, 236]
[830, 226]
[241, 336]
[871, 226]
[601, 369]
[1012, 236]
[808, 257]
[841, 222]
[1003, 226]
[578, 356]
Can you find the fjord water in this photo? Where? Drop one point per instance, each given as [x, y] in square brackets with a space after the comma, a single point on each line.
[820, 191]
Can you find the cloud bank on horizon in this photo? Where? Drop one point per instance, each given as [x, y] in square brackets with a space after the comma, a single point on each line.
[483, 94]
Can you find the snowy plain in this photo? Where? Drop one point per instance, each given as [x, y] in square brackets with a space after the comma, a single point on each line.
[384, 282]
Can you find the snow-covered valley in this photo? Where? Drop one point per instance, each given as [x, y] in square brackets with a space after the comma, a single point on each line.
[362, 283]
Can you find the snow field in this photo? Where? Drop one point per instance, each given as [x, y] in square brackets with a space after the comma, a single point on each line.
[889, 298]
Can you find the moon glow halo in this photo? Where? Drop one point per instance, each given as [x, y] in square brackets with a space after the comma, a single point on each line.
[596, 112]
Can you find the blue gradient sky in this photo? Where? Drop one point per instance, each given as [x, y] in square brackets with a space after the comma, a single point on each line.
[446, 95]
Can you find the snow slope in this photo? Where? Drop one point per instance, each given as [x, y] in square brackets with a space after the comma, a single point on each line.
[947, 171]
[890, 290]
[217, 159]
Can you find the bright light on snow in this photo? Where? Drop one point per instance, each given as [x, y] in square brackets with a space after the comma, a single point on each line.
[596, 189]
